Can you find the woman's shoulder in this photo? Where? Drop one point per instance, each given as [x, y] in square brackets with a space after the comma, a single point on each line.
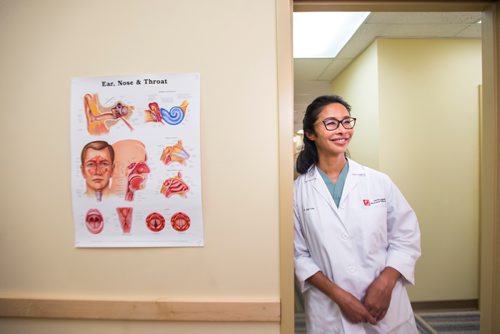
[306, 177]
[357, 168]
[301, 177]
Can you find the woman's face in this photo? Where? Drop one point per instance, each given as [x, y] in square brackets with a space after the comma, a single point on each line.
[335, 142]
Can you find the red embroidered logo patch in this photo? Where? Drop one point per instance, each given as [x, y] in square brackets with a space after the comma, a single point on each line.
[366, 202]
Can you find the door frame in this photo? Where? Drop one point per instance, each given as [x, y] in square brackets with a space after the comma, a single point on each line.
[489, 166]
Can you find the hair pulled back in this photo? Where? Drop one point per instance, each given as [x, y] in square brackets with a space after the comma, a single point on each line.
[308, 156]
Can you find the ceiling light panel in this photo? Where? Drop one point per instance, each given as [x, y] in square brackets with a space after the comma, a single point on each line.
[323, 34]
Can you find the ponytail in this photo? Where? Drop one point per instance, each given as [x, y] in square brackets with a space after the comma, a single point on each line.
[307, 157]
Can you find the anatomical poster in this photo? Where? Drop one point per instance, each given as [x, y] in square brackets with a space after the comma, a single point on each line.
[135, 161]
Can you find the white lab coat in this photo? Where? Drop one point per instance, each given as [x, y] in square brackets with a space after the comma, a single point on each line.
[373, 227]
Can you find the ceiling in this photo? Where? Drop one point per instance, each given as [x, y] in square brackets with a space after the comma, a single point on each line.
[312, 77]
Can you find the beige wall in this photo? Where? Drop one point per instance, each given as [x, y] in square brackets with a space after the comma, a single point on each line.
[358, 84]
[429, 144]
[63, 326]
[45, 44]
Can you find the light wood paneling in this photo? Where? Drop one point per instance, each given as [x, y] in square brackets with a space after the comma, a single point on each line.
[251, 311]
[285, 116]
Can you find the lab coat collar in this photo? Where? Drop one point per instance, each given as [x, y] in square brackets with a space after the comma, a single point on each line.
[355, 171]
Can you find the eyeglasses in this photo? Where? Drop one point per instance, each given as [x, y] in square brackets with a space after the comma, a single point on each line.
[331, 123]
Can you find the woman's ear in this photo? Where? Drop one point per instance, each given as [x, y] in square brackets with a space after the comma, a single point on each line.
[309, 135]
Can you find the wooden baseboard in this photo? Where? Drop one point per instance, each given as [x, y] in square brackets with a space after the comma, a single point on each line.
[472, 304]
[258, 311]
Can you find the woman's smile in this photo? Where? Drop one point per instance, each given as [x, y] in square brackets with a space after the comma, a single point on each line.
[341, 140]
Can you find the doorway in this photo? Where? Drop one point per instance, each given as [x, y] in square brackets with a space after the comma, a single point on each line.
[303, 5]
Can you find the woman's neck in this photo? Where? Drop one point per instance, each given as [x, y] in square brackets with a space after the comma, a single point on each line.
[332, 166]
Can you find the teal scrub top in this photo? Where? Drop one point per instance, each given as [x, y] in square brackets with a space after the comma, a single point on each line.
[336, 189]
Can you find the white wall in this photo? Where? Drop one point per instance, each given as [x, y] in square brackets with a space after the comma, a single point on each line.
[46, 43]
[428, 142]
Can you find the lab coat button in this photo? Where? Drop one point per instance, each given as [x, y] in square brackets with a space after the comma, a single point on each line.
[345, 236]
[351, 269]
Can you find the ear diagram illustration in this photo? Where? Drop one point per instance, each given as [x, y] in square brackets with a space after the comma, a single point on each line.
[172, 116]
[100, 119]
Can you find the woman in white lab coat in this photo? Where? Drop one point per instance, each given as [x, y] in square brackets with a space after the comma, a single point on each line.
[356, 237]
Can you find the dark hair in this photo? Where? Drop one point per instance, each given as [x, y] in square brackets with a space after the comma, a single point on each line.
[309, 154]
[98, 145]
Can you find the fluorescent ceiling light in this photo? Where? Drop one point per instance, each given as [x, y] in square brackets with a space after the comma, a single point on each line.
[323, 34]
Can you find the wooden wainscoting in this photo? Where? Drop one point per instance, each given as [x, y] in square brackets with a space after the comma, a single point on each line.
[469, 304]
[163, 310]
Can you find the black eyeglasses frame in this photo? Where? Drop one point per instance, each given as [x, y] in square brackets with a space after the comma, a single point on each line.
[350, 120]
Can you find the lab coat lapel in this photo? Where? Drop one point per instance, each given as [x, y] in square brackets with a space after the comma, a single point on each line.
[320, 187]
[352, 180]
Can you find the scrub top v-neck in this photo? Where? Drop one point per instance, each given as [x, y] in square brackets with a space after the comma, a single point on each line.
[336, 189]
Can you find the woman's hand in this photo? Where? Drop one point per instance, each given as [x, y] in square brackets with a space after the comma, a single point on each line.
[349, 305]
[378, 294]
[353, 309]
